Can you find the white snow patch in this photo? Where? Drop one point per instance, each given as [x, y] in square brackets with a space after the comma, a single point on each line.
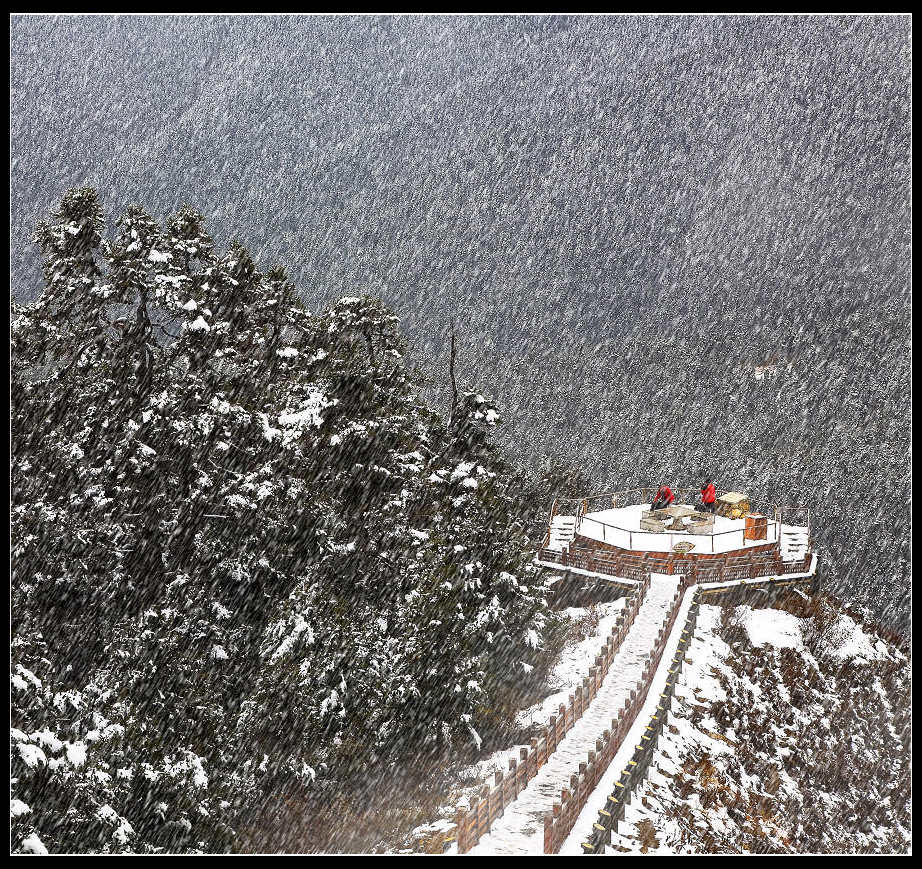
[76, 753]
[571, 667]
[308, 416]
[31, 755]
[848, 640]
[774, 627]
[33, 845]
[300, 627]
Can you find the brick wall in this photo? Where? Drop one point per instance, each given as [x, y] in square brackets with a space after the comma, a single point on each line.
[710, 568]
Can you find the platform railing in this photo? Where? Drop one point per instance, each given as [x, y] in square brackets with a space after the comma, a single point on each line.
[627, 538]
[793, 515]
[581, 506]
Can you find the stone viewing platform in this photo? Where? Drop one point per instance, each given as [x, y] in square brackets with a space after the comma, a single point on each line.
[618, 535]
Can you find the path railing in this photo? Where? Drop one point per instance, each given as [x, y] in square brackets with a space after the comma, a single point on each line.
[583, 504]
[794, 515]
[474, 823]
[559, 823]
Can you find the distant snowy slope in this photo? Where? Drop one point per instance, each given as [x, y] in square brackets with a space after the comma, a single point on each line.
[565, 188]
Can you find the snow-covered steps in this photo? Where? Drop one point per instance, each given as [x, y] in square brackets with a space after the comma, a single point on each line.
[795, 541]
[562, 532]
[616, 745]
[475, 821]
[520, 830]
[605, 806]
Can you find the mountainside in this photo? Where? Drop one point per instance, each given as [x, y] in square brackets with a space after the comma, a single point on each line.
[265, 598]
[668, 245]
[791, 733]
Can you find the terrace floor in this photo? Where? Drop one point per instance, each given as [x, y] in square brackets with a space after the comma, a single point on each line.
[621, 527]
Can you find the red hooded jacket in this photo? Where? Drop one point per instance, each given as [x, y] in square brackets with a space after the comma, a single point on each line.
[664, 493]
[708, 494]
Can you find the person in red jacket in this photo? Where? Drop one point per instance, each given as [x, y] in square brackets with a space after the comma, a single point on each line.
[709, 496]
[664, 498]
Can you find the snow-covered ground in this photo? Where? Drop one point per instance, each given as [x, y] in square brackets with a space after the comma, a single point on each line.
[521, 829]
[776, 627]
[574, 662]
[773, 746]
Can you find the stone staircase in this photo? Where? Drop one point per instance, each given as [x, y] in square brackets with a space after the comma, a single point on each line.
[795, 541]
[563, 530]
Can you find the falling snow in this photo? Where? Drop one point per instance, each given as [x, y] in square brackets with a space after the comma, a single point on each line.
[314, 316]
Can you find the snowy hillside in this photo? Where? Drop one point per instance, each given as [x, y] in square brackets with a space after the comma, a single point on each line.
[790, 734]
[313, 317]
[564, 187]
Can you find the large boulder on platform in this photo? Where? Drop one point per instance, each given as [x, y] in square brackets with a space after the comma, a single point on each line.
[733, 505]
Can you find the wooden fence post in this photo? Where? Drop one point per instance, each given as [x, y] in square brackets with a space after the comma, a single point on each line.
[461, 824]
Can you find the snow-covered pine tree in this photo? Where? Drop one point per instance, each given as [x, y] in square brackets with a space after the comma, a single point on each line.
[178, 670]
[328, 654]
[98, 538]
[258, 561]
[491, 604]
[382, 652]
[68, 319]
